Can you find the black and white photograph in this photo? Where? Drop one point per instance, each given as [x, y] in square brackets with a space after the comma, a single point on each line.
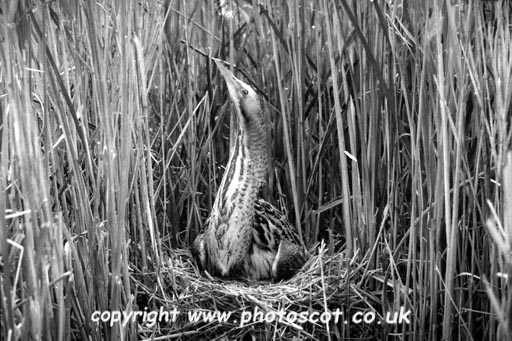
[255, 170]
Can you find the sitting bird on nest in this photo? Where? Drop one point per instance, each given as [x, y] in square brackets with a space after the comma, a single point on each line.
[245, 236]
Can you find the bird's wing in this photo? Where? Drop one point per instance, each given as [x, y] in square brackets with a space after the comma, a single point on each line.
[271, 226]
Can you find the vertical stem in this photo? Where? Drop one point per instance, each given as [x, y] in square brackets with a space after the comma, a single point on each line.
[341, 136]
[286, 137]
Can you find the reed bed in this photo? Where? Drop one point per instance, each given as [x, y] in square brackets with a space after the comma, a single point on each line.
[389, 134]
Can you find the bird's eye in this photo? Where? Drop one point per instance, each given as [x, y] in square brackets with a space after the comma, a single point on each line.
[245, 92]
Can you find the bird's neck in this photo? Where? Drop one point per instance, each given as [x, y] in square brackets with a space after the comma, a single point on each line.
[246, 170]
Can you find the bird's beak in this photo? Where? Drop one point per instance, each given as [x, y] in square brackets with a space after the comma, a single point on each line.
[232, 82]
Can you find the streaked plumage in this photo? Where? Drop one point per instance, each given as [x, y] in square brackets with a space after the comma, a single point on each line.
[245, 236]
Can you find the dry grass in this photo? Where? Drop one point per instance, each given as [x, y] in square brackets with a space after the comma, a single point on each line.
[324, 284]
[389, 122]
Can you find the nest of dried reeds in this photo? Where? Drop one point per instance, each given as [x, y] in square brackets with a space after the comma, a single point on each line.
[318, 301]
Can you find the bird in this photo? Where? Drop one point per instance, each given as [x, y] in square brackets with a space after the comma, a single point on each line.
[246, 237]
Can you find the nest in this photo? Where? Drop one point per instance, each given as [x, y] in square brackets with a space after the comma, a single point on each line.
[318, 301]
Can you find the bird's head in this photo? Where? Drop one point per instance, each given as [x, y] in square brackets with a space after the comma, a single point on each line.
[245, 100]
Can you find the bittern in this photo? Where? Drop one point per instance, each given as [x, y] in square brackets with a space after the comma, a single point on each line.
[245, 236]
